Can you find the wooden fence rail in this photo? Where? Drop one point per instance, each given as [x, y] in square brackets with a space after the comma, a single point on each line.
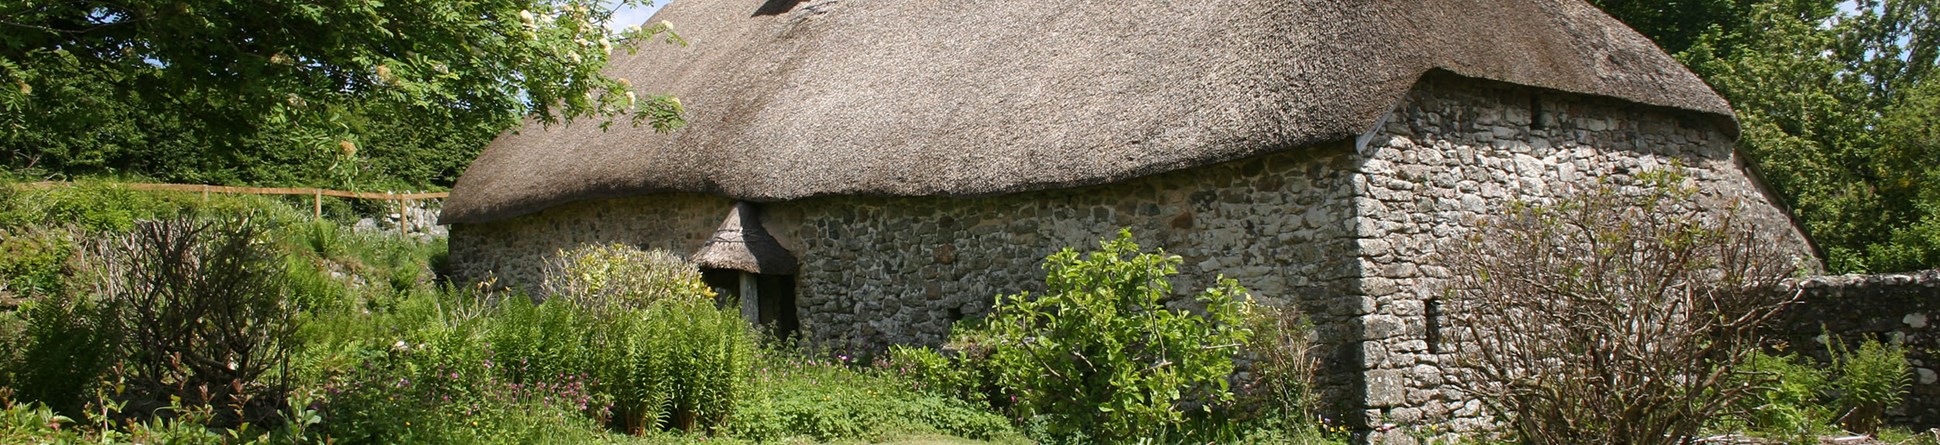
[316, 193]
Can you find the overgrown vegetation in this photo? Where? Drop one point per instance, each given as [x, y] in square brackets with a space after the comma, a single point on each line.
[1109, 354]
[155, 318]
[1622, 314]
[1797, 399]
[1615, 314]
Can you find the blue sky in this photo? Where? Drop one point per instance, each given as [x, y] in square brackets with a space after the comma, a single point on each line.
[634, 15]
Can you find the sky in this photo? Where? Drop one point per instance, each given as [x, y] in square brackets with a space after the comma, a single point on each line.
[634, 15]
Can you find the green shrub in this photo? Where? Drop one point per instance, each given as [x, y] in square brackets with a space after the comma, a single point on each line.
[1797, 399]
[931, 372]
[1100, 355]
[681, 364]
[600, 277]
[1871, 379]
[34, 423]
[202, 310]
[33, 261]
[96, 206]
[673, 359]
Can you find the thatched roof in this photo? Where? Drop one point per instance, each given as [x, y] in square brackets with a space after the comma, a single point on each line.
[741, 244]
[936, 97]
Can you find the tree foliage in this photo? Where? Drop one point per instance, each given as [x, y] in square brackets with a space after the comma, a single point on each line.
[1838, 111]
[1678, 24]
[229, 89]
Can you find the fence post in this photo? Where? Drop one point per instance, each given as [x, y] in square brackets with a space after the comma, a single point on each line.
[404, 217]
[319, 201]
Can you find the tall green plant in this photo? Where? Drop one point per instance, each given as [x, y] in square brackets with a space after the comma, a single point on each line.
[704, 354]
[65, 349]
[647, 326]
[1871, 378]
[1100, 354]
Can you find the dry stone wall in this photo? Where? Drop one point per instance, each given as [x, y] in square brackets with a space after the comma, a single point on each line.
[1903, 308]
[880, 270]
[512, 253]
[902, 270]
[1458, 150]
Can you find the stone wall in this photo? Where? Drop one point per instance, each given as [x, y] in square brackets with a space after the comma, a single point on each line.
[417, 218]
[882, 270]
[1895, 307]
[1454, 152]
[1345, 232]
[513, 252]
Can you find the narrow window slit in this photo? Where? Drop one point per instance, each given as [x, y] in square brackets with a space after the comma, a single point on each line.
[1433, 313]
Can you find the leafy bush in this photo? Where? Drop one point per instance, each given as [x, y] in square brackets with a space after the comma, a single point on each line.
[202, 311]
[1797, 399]
[965, 376]
[1614, 315]
[36, 423]
[599, 277]
[32, 262]
[1871, 379]
[96, 206]
[1100, 355]
[33, 423]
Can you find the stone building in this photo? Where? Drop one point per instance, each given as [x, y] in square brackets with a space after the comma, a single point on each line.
[875, 170]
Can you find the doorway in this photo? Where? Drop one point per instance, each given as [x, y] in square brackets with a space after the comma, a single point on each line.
[766, 300]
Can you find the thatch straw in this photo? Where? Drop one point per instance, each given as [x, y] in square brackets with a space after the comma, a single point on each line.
[741, 244]
[935, 97]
